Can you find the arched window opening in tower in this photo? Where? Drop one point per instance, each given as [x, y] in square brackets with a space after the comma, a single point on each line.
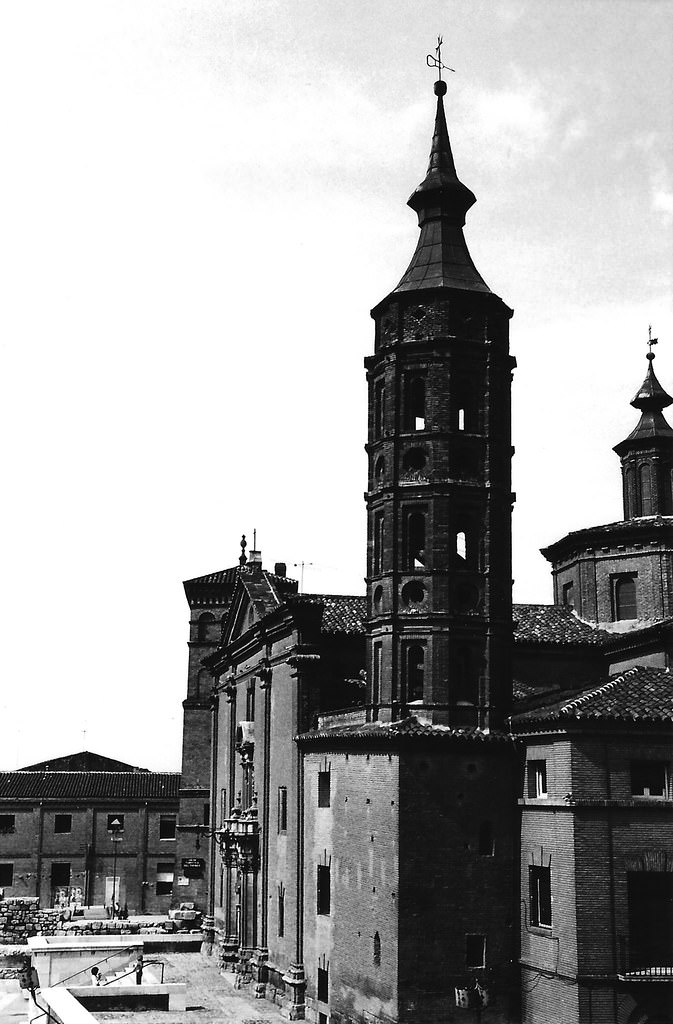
[379, 526]
[629, 493]
[414, 540]
[202, 683]
[376, 679]
[625, 598]
[414, 404]
[414, 460]
[645, 491]
[465, 684]
[379, 408]
[414, 672]
[461, 419]
[379, 469]
[207, 628]
[378, 598]
[486, 841]
[377, 949]
[461, 546]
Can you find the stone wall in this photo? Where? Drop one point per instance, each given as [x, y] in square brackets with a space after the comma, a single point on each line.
[14, 961]
[21, 917]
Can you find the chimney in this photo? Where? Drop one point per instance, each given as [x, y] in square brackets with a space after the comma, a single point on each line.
[280, 569]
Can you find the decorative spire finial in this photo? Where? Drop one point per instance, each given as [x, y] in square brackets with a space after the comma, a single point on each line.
[650, 342]
[243, 558]
[436, 62]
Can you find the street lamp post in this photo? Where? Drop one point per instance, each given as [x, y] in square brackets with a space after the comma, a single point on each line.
[115, 830]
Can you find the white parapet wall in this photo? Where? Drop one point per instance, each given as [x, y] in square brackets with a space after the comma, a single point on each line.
[57, 958]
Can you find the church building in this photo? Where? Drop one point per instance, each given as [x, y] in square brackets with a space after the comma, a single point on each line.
[424, 801]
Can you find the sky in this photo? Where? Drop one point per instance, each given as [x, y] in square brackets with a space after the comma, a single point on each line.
[200, 203]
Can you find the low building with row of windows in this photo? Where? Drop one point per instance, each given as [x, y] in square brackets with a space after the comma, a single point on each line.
[89, 830]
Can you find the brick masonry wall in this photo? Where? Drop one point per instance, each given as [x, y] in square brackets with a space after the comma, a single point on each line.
[449, 889]
[357, 836]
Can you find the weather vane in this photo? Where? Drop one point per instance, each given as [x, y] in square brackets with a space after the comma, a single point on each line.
[650, 342]
[436, 61]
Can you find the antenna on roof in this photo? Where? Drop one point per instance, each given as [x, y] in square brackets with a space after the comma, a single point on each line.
[300, 565]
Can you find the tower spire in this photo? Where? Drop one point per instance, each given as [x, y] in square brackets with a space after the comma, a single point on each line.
[441, 202]
[647, 453]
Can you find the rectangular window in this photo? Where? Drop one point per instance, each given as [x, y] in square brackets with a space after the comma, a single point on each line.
[281, 912]
[115, 822]
[624, 598]
[322, 1018]
[6, 874]
[223, 805]
[323, 890]
[539, 892]
[282, 809]
[537, 779]
[7, 824]
[323, 985]
[62, 824]
[250, 702]
[206, 814]
[324, 784]
[475, 950]
[569, 594]
[650, 778]
[167, 824]
[164, 879]
[60, 874]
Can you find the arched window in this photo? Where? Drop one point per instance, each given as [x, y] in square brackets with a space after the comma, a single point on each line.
[465, 687]
[629, 495]
[377, 949]
[466, 550]
[379, 527]
[645, 491]
[625, 598]
[203, 682]
[379, 469]
[461, 419]
[379, 408]
[461, 545]
[206, 627]
[414, 540]
[414, 671]
[414, 404]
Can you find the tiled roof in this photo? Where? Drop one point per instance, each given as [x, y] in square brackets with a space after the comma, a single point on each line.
[639, 694]
[406, 727]
[342, 613]
[554, 624]
[82, 761]
[624, 530]
[222, 576]
[85, 786]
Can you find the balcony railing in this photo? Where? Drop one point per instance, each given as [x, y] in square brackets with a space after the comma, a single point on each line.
[639, 962]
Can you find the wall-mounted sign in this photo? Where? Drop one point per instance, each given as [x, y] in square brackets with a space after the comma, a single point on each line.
[192, 866]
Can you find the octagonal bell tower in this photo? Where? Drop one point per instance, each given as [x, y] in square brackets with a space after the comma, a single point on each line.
[439, 495]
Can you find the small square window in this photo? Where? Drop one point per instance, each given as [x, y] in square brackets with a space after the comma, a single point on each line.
[7, 824]
[537, 779]
[539, 890]
[164, 886]
[475, 950]
[60, 874]
[323, 985]
[6, 874]
[62, 824]
[115, 822]
[650, 778]
[167, 826]
[324, 789]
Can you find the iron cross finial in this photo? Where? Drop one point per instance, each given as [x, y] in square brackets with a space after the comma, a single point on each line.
[650, 342]
[436, 61]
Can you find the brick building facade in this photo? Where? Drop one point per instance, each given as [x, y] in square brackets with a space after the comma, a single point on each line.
[485, 825]
[77, 829]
